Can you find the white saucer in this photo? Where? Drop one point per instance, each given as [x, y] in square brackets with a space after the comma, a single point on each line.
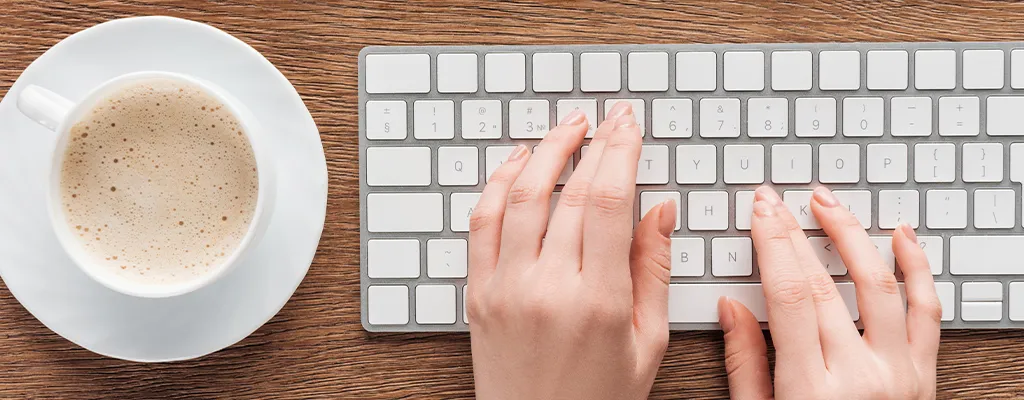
[42, 277]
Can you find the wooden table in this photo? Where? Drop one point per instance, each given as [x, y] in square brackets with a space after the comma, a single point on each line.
[316, 348]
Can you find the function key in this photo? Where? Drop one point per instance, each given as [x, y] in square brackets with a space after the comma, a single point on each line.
[1017, 69]
[744, 71]
[887, 69]
[552, 72]
[505, 72]
[696, 72]
[397, 73]
[791, 70]
[456, 73]
[983, 69]
[648, 71]
[839, 70]
[934, 69]
[600, 72]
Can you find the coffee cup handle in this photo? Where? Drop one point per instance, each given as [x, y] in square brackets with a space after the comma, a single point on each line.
[44, 106]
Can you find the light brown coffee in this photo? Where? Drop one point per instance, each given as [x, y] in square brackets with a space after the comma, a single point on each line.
[159, 182]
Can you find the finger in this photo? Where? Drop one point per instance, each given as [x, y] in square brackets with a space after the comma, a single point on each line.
[838, 334]
[791, 313]
[565, 230]
[608, 218]
[878, 296]
[529, 199]
[650, 265]
[485, 222]
[924, 312]
[746, 353]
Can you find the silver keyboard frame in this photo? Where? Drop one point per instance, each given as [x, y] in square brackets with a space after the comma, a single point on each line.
[719, 49]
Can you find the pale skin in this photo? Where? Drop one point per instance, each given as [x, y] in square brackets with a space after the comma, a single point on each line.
[576, 306]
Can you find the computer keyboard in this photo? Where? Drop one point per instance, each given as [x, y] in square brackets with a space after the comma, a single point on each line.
[930, 134]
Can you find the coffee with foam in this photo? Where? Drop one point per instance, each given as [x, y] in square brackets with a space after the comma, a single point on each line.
[159, 182]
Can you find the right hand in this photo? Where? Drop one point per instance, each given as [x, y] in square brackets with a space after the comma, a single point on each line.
[819, 353]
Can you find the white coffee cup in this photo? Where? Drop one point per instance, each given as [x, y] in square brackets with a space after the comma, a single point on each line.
[60, 114]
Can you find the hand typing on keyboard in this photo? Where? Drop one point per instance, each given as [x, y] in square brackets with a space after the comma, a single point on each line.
[819, 353]
[582, 314]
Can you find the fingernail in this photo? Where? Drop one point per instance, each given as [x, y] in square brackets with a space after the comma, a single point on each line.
[726, 315]
[619, 109]
[825, 197]
[625, 122]
[768, 195]
[907, 230]
[574, 118]
[763, 209]
[667, 217]
[518, 153]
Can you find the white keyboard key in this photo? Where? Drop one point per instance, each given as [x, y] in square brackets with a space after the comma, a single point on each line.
[946, 292]
[799, 204]
[839, 163]
[457, 166]
[744, 71]
[687, 256]
[456, 73]
[958, 116]
[494, 156]
[981, 291]
[910, 116]
[552, 72]
[981, 311]
[600, 72]
[1017, 69]
[563, 178]
[982, 162]
[696, 164]
[404, 212]
[791, 70]
[481, 119]
[995, 208]
[898, 206]
[934, 69]
[947, 209]
[397, 73]
[791, 163]
[744, 209]
[744, 164]
[528, 119]
[696, 71]
[387, 305]
[828, 255]
[672, 118]
[839, 70]
[385, 120]
[461, 208]
[731, 256]
[887, 69]
[863, 116]
[652, 168]
[649, 199]
[447, 258]
[465, 315]
[399, 258]
[887, 163]
[505, 72]
[647, 71]
[1017, 162]
[434, 119]
[1017, 301]
[934, 162]
[435, 304]
[986, 255]
[884, 246]
[398, 166]
[638, 111]
[564, 107]
[815, 117]
[689, 302]
[707, 211]
[859, 204]
[719, 118]
[932, 246]
[983, 69]
[1004, 116]
[767, 117]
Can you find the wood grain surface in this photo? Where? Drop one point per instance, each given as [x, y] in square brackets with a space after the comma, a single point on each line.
[315, 347]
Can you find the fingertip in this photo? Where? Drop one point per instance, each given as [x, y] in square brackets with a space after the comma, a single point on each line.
[907, 232]
[726, 314]
[667, 217]
[763, 209]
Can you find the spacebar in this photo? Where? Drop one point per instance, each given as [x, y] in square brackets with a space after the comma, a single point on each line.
[698, 302]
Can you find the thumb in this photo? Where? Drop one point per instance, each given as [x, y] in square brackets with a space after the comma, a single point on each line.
[746, 353]
[650, 267]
